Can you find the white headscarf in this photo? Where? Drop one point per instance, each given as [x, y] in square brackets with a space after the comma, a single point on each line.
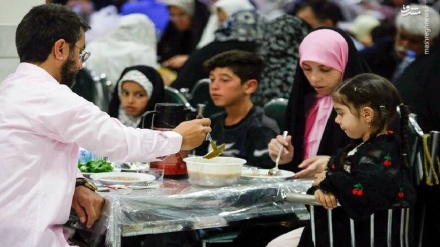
[132, 42]
[230, 7]
[186, 5]
[141, 79]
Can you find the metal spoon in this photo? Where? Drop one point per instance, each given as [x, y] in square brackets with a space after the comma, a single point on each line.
[275, 171]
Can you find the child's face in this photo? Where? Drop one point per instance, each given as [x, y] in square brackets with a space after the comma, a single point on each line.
[322, 78]
[355, 127]
[226, 88]
[134, 98]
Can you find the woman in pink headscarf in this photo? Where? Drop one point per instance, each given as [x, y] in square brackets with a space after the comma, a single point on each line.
[327, 56]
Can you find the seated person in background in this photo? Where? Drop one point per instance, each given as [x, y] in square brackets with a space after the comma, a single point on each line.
[221, 10]
[131, 42]
[137, 91]
[385, 56]
[182, 33]
[241, 31]
[327, 56]
[279, 50]
[366, 177]
[243, 127]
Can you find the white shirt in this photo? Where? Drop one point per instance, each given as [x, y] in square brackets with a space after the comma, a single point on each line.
[42, 124]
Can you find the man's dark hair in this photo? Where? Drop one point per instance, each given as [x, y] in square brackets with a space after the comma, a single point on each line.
[42, 27]
[324, 9]
[245, 65]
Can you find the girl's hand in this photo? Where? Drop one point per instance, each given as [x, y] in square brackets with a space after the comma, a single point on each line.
[319, 177]
[311, 166]
[276, 143]
[327, 200]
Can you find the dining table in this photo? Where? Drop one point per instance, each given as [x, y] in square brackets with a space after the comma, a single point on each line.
[174, 205]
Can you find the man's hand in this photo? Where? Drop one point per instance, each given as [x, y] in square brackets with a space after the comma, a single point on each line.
[327, 200]
[312, 165]
[193, 132]
[87, 205]
[274, 146]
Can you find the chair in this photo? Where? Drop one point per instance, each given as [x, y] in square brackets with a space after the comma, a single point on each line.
[199, 94]
[93, 87]
[276, 109]
[173, 95]
[404, 221]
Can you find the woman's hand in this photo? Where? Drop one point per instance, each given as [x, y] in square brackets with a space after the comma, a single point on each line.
[327, 200]
[312, 165]
[175, 62]
[274, 146]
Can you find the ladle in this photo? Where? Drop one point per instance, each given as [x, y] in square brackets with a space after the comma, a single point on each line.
[216, 150]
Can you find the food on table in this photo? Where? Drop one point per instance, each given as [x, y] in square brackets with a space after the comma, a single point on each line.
[120, 178]
[95, 166]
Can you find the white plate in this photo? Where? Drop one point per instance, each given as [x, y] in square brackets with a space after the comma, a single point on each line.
[263, 174]
[124, 178]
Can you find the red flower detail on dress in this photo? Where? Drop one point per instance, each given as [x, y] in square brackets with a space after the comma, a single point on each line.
[333, 166]
[387, 162]
[358, 190]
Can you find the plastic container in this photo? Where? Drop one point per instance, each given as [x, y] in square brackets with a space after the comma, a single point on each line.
[215, 172]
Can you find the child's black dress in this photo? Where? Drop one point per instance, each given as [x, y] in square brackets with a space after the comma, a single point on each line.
[367, 180]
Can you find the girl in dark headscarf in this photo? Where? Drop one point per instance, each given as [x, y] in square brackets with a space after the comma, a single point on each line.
[182, 33]
[241, 31]
[314, 135]
[138, 90]
[279, 49]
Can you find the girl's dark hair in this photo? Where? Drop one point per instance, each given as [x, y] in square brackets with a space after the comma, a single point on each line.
[380, 94]
[42, 27]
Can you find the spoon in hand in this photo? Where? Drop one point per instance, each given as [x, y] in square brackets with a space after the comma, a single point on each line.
[275, 171]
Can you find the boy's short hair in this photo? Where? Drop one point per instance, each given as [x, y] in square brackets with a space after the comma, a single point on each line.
[246, 65]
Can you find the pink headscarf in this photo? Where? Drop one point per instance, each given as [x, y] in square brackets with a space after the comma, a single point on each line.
[326, 47]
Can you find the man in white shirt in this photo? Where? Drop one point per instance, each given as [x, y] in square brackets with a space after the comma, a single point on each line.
[42, 125]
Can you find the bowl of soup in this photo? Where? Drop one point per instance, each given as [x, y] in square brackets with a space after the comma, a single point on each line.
[215, 172]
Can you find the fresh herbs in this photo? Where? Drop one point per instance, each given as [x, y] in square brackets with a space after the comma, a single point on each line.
[95, 166]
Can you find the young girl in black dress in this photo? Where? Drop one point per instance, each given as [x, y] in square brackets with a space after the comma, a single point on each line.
[369, 175]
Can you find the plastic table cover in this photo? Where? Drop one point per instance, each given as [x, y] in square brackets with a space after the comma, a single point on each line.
[178, 206]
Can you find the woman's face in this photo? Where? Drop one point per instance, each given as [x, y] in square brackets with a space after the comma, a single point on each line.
[322, 78]
[134, 98]
[179, 18]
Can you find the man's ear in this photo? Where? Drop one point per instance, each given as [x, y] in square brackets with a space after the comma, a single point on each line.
[368, 114]
[60, 50]
[251, 86]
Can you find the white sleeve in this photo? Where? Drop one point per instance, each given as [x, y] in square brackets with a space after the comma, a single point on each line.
[68, 118]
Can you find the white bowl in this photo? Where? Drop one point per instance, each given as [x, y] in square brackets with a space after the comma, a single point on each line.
[218, 171]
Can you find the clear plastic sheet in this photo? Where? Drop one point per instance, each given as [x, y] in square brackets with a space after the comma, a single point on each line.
[177, 206]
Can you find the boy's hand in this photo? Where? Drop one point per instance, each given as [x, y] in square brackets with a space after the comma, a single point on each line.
[193, 132]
